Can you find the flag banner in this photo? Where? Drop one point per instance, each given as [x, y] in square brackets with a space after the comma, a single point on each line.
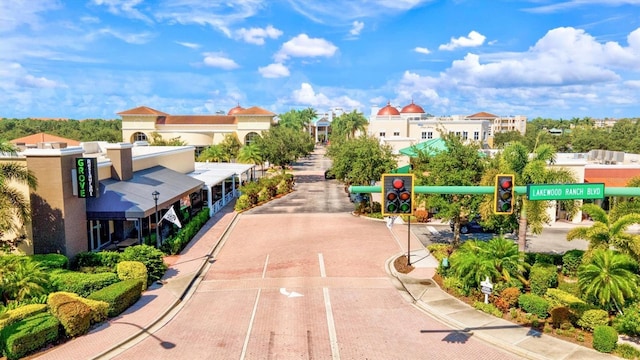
[172, 217]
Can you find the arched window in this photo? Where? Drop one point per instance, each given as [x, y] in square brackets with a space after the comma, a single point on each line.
[250, 138]
[138, 136]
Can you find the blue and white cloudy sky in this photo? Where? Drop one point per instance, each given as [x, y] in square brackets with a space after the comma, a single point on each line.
[93, 58]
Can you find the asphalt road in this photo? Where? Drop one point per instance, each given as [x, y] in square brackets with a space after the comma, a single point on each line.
[302, 278]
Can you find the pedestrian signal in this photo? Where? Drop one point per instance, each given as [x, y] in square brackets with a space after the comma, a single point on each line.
[397, 194]
[504, 194]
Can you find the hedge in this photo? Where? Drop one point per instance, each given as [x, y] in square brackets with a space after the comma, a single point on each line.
[593, 318]
[534, 304]
[132, 270]
[51, 261]
[571, 260]
[23, 312]
[176, 243]
[29, 334]
[541, 277]
[119, 296]
[151, 257]
[74, 315]
[82, 284]
[605, 338]
[99, 309]
[557, 297]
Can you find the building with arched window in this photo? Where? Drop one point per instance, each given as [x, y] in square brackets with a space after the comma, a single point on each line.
[200, 131]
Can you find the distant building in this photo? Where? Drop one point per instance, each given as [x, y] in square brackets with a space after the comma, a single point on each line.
[200, 131]
[44, 141]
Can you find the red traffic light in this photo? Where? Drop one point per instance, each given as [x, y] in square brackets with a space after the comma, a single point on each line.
[505, 183]
[398, 184]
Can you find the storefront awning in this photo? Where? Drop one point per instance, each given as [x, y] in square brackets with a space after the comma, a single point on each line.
[120, 200]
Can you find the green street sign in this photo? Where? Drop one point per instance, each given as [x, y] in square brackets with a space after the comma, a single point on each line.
[565, 191]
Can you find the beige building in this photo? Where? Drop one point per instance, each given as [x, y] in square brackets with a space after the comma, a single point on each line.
[199, 131]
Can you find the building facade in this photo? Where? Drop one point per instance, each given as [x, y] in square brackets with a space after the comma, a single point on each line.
[200, 131]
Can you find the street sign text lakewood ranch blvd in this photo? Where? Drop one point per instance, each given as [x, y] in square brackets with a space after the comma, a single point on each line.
[565, 191]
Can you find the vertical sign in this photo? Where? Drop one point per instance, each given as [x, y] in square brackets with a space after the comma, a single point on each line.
[87, 177]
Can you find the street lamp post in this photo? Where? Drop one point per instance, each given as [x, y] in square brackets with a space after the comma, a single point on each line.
[156, 195]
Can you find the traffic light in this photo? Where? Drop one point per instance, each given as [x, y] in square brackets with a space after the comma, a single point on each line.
[397, 194]
[504, 194]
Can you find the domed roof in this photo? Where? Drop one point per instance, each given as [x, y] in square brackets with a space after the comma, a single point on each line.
[235, 110]
[412, 108]
[388, 110]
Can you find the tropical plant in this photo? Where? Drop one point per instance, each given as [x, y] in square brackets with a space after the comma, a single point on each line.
[158, 140]
[230, 146]
[251, 154]
[347, 125]
[609, 277]
[15, 209]
[604, 234]
[23, 279]
[214, 153]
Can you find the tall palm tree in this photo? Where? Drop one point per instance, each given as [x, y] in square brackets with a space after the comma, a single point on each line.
[605, 233]
[14, 204]
[214, 153]
[251, 154]
[609, 277]
[348, 124]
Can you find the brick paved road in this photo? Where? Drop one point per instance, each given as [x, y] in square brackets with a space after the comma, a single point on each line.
[291, 283]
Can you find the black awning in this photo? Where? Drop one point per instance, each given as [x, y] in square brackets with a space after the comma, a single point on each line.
[120, 200]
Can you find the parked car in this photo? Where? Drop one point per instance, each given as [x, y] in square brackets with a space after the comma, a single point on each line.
[470, 226]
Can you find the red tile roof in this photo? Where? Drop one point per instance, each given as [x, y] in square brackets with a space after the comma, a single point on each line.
[482, 115]
[615, 177]
[143, 110]
[255, 110]
[44, 137]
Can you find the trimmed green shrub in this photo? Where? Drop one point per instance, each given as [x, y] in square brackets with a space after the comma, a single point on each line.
[133, 270]
[119, 296]
[570, 287]
[488, 308]
[29, 334]
[85, 259]
[109, 259]
[174, 245]
[440, 251]
[627, 351]
[51, 261]
[592, 318]
[605, 338]
[150, 257]
[628, 322]
[571, 260]
[99, 309]
[560, 316]
[74, 315]
[541, 277]
[534, 304]
[242, 203]
[559, 298]
[82, 284]
[23, 312]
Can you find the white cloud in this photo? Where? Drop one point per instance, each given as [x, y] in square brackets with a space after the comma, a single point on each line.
[306, 96]
[258, 35]
[422, 50]
[304, 46]
[474, 39]
[219, 61]
[17, 13]
[342, 12]
[125, 8]
[220, 15]
[357, 27]
[34, 82]
[571, 4]
[274, 70]
[139, 38]
[188, 45]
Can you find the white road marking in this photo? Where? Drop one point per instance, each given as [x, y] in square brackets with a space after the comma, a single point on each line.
[433, 230]
[333, 338]
[292, 294]
[243, 354]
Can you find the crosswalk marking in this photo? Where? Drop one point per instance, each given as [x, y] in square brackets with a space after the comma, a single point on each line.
[433, 230]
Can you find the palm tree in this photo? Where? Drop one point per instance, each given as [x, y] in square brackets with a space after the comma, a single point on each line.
[605, 233]
[609, 277]
[214, 153]
[26, 279]
[346, 125]
[14, 204]
[534, 170]
[251, 154]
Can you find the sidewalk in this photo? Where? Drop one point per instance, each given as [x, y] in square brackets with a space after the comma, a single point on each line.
[161, 298]
[427, 296]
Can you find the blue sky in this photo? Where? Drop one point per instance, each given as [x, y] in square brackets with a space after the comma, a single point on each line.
[93, 58]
